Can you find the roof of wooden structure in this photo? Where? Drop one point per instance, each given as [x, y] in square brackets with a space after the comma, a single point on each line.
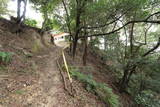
[60, 34]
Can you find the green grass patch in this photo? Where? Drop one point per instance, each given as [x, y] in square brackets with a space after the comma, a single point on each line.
[20, 92]
[2, 68]
[5, 57]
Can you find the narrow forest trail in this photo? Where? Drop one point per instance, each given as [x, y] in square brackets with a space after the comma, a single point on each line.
[49, 89]
[32, 78]
[49, 82]
[35, 81]
[50, 92]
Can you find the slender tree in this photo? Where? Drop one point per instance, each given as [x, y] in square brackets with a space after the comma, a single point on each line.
[20, 13]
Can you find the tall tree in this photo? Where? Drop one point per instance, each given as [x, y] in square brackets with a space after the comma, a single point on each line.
[46, 7]
[20, 13]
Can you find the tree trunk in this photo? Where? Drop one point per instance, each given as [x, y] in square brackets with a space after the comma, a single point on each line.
[122, 82]
[52, 39]
[24, 12]
[79, 10]
[44, 24]
[128, 71]
[126, 43]
[74, 46]
[85, 51]
[18, 8]
[105, 43]
[131, 39]
[70, 43]
[20, 17]
[77, 31]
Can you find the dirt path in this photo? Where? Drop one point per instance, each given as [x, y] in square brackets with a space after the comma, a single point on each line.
[50, 83]
[49, 91]
[50, 88]
[32, 80]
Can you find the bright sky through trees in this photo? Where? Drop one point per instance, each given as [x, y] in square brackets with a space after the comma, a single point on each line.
[30, 13]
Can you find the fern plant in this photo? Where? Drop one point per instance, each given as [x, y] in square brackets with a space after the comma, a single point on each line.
[31, 22]
[102, 90]
[5, 57]
[147, 99]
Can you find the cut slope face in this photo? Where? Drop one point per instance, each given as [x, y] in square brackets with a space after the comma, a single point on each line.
[32, 79]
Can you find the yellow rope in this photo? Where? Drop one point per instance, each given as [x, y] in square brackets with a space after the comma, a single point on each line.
[65, 63]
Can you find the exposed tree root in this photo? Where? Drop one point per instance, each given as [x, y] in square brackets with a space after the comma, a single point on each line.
[70, 91]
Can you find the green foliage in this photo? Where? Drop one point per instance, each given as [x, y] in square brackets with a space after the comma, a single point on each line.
[95, 41]
[102, 90]
[151, 74]
[31, 22]
[5, 57]
[100, 53]
[147, 99]
[46, 7]
[52, 24]
[97, 13]
[20, 92]
[145, 85]
[3, 7]
[3, 68]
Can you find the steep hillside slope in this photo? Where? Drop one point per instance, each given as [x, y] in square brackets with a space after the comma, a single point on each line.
[32, 78]
[100, 72]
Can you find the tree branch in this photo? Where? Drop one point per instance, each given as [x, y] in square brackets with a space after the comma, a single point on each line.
[100, 26]
[136, 21]
[106, 24]
[153, 15]
[68, 20]
[151, 50]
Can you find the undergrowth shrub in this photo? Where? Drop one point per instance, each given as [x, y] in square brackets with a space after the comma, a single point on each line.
[5, 57]
[31, 22]
[146, 99]
[145, 84]
[102, 90]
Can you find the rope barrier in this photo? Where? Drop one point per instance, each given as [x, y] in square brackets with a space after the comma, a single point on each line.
[65, 63]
